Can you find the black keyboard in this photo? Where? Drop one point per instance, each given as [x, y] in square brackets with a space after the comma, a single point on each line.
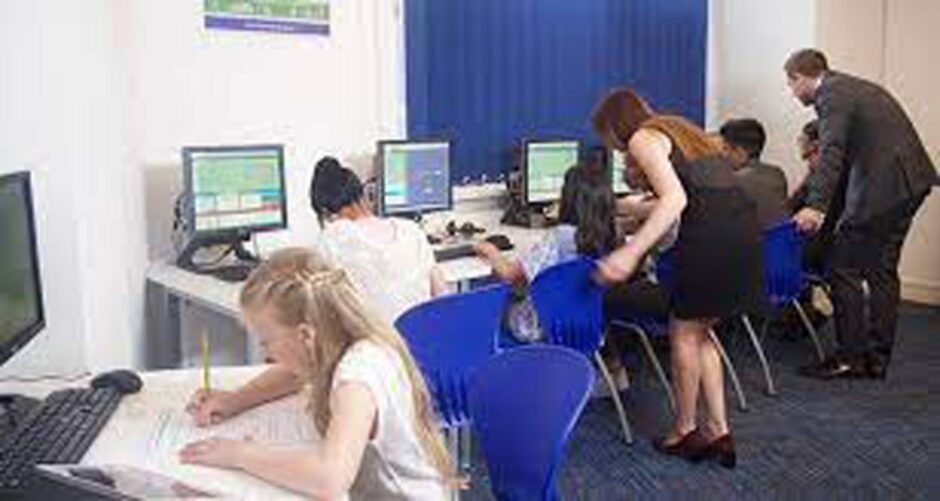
[57, 431]
[454, 252]
[233, 272]
[501, 242]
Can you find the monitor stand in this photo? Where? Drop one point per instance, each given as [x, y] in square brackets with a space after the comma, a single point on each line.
[235, 241]
[526, 216]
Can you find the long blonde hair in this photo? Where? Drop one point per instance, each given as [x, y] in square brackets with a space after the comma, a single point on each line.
[304, 289]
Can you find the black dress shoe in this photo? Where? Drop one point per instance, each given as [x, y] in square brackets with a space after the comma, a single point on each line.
[692, 446]
[722, 450]
[831, 368]
[873, 368]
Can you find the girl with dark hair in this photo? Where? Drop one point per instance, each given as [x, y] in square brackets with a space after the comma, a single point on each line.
[717, 256]
[586, 228]
[388, 259]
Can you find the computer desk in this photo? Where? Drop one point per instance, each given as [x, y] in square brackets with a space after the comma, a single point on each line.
[171, 288]
[150, 426]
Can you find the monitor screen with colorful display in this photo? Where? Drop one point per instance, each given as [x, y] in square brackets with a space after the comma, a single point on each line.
[239, 188]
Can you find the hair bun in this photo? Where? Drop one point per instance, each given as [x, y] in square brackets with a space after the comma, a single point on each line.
[328, 163]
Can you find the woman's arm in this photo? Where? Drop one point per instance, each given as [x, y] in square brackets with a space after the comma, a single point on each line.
[651, 150]
[326, 471]
[508, 270]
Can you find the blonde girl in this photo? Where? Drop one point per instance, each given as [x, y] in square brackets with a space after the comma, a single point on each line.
[367, 398]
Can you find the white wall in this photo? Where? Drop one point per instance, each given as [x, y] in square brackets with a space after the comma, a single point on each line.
[99, 96]
[751, 40]
[911, 72]
[56, 121]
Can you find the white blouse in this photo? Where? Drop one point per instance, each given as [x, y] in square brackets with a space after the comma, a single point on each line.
[391, 268]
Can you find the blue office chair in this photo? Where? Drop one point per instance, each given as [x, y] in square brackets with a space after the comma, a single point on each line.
[570, 309]
[524, 403]
[784, 280]
[449, 337]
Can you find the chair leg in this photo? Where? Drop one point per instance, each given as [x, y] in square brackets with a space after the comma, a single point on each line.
[465, 447]
[742, 402]
[452, 436]
[771, 389]
[654, 361]
[615, 394]
[809, 328]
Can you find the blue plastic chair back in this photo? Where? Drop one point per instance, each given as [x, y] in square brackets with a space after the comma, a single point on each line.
[665, 267]
[783, 273]
[570, 305]
[450, 337]
[524, 404]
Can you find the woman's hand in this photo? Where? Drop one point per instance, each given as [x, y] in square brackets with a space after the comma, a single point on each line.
[212, 407]
[617, 267]
[217, 452]
[486, 250]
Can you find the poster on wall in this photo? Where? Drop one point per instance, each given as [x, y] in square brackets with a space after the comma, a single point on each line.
[307, 17]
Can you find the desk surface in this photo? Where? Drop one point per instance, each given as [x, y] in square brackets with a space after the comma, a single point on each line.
[146, 428]
[222, 296]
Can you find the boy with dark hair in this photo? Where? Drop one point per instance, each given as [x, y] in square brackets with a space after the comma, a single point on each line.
[765, 184]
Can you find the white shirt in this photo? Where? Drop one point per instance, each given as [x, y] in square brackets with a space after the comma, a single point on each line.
[390, 267]
[394, 465]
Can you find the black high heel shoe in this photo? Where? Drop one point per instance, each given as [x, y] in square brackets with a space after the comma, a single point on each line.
[722, 450]
[691, 446]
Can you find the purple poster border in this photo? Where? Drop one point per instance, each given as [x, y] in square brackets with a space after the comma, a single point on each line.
[261, 24]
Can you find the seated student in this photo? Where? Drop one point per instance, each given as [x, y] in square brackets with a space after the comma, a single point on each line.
[808, 142]
[765, 184]
[388, 259]
[586, 227]
[366, 396]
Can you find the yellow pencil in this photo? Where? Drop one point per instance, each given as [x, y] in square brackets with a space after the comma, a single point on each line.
[205, 360]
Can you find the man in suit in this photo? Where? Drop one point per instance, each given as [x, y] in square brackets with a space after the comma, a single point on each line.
[875, 171]
[765, 184]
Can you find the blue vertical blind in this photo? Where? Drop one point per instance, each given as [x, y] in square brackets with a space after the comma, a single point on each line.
[488, 73]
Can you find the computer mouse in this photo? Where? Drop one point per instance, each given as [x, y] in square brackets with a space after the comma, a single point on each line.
[501, 242]
[123, 380]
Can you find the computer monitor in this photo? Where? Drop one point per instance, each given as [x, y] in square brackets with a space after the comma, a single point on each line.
[544, 168]
[617, 165]
[234, 189]
[413, 177]
[21, 309]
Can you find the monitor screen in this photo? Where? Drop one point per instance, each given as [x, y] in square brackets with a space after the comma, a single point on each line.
[545, 165]
[414, 177]
[618, 163]
[235, 188]
[21, 311]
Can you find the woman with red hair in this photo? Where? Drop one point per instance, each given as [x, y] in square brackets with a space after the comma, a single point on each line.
[717, 256]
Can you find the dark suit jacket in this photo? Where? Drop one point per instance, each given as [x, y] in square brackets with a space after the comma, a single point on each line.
[766, 185]
[871, 159]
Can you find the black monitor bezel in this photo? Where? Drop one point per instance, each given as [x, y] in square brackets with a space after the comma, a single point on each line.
[381, 209]
[8, 349]
[190, 206]
[525, 167]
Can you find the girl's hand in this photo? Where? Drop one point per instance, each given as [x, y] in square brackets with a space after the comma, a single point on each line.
[617, 267]
[212, 407]
[217, 452]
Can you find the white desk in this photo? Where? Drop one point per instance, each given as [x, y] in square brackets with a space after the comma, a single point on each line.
[137, 434]
[175, 287]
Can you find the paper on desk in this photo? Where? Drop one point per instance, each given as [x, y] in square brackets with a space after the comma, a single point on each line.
[284, 422]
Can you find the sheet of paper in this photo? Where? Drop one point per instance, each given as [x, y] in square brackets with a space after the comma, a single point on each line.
[283, 422]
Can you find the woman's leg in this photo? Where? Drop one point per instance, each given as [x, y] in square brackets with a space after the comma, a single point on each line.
[713, 385]
[685, 338]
